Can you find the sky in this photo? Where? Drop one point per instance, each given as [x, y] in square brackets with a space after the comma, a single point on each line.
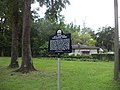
[94, 13]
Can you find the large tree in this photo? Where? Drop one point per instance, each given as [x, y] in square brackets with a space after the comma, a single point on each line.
[15, 20]
[27, 64]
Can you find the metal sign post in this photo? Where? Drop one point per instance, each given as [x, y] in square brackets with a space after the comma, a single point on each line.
[58, 71]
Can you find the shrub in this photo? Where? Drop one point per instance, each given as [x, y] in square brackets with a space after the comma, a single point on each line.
[103, 56]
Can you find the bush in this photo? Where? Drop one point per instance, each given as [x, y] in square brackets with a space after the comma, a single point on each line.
[103, 56]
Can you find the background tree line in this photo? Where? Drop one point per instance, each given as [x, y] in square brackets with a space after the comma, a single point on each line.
[42, 29]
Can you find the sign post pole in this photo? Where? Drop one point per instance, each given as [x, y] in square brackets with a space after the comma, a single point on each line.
[58, 71]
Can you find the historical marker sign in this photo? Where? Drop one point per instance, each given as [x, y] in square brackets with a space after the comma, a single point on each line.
[60, 43]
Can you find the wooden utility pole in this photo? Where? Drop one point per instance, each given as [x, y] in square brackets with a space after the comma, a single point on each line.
[116, 42]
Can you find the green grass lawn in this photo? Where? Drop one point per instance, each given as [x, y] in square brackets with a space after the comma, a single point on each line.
[75, 75]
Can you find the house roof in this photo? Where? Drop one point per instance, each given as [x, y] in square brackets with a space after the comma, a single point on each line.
[79, 46]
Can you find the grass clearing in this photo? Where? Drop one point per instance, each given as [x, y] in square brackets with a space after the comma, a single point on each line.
[75, 75]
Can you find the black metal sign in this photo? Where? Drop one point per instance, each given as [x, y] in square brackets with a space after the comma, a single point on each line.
[60, 43]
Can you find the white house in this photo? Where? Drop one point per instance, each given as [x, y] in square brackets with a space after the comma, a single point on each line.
[84, 50]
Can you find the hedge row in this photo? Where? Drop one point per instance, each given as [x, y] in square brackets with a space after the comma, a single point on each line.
[93, 57]
[103, 56]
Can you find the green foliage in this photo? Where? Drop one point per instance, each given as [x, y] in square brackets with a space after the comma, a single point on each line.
[72, 28]
[42, 29]
[105, 38]
[91, 42]
[8, 9]
[5, 42]
[53, 8]
[83, 38]
[104, 56]
[75, 37]
[75, 75]
[87, 30]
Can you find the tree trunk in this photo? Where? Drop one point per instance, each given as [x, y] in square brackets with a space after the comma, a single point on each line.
[14, 47]
[27, 64]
